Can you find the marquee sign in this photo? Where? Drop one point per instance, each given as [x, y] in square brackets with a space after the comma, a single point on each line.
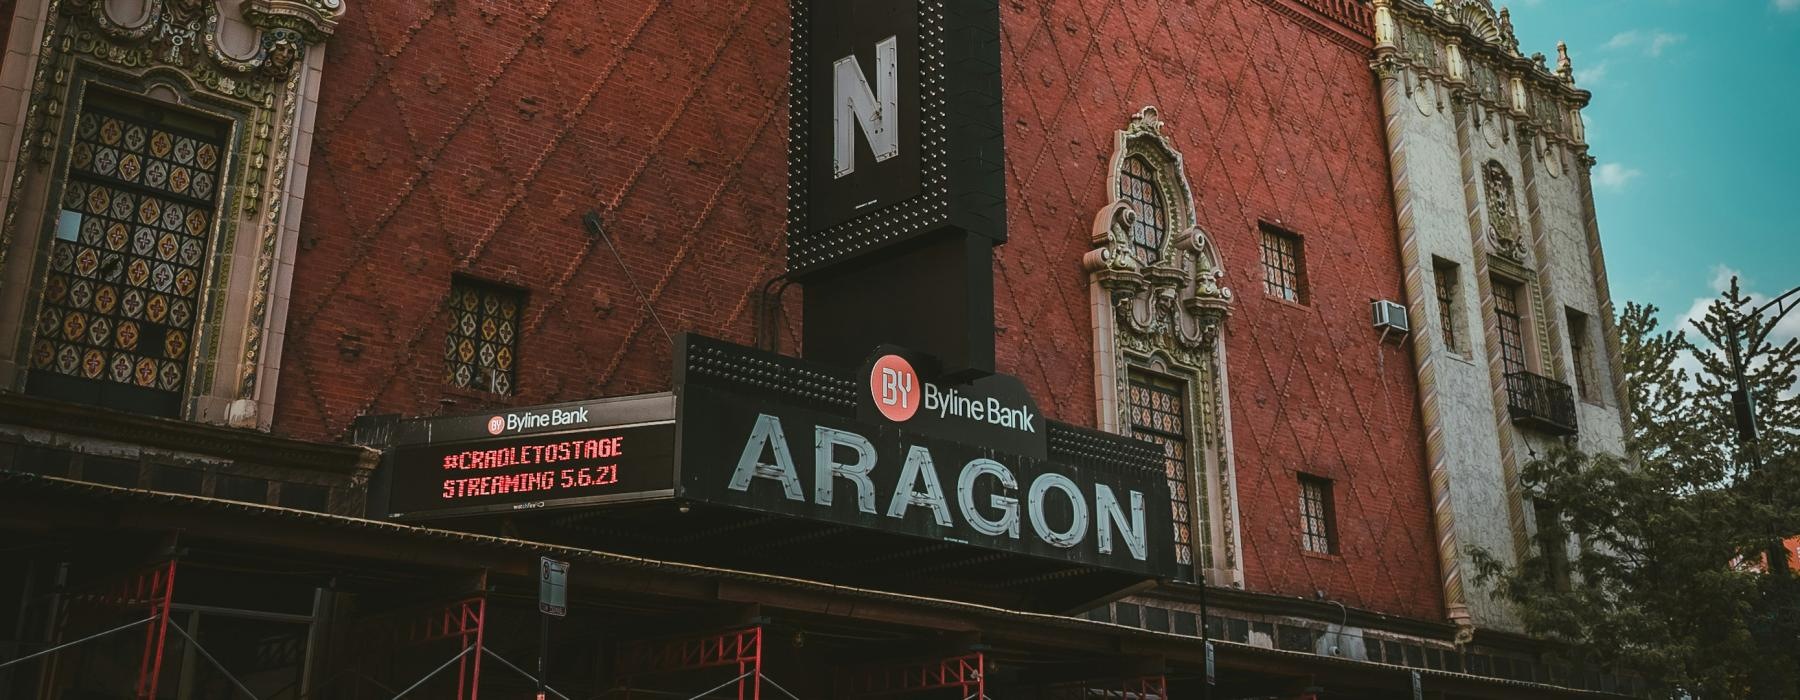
[542, 457]
[891, 448]
[776, 435]
[895, 125]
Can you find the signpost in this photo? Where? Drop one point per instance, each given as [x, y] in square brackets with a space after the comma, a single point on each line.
[553, 601]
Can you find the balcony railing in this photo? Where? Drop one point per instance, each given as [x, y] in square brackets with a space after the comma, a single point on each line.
[1541, 402]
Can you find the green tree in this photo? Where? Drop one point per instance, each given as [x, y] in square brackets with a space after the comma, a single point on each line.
[1669, 582]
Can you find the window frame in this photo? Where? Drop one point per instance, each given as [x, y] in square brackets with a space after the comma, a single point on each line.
[1447, 290]
[1288, 269]
[1581, 357]
[1515, 357]
[1140, 187]
[1320, 525]
[1198, 517]
[522, 297]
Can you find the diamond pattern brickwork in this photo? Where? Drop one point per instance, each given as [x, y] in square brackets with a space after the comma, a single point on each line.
[1279, 121]
[467, 138]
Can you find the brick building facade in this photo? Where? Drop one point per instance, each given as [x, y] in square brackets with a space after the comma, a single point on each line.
[400, 232]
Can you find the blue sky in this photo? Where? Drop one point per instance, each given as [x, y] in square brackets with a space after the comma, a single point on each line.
[1696, 123]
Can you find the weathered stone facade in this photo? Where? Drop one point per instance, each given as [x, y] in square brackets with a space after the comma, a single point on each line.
[1491, 184]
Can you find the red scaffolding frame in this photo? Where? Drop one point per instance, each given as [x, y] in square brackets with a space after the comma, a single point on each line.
[741, 648]
[966, 673]
[464, 620]
[152, 588]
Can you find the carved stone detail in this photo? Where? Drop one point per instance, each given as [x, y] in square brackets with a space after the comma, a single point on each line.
[1502, 212]
[1166, 315]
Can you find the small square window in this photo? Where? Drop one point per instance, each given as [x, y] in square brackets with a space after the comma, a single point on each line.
[1318, 530]
[481, 349]
[1284, 272]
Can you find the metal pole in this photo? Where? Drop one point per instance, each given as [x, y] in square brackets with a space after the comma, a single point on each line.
[1206, 682]
[415, 686]
[543, 654]
[83, 640]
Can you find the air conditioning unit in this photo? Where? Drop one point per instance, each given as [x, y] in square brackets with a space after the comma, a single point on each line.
[1390, 316]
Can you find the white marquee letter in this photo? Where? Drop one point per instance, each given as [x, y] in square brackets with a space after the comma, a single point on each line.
[1008, 524]
[767, 433]
[918, 468]
[826, 466]
[1035, 503]
[857, 106]
[1106, 508]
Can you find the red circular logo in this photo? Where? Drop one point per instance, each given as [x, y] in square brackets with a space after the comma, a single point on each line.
[895, 387]
[496, 425]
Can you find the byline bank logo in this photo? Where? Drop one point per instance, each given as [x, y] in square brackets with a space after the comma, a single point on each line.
[895, 387]
[496, 425]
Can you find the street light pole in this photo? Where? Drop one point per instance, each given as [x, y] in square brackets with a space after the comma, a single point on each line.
[1743, 402]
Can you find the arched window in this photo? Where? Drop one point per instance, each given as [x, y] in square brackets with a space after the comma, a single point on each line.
[1157, 346]
[1137, 185]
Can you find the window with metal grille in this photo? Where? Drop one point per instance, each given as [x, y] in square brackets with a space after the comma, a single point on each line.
[1159, 415]
[1512, 329]
[128, 261]
[1446, 277]
[481, 351]
[1318, 517]
[1283, 273]
[1137, 185]
[1581, 354]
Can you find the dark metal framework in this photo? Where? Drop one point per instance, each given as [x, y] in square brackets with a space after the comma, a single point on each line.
[1137, 184]
[741, 649]
[1536, 401]
[1512, 330]
[1139, 688]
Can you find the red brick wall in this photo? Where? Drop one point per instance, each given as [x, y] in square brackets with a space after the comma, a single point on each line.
[1277, 122]
[468, 137]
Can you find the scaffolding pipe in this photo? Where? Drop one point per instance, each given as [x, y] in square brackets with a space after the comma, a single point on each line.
[215, 662]
[82, 640]
[439, 669]
[722, 686]
[497, 657]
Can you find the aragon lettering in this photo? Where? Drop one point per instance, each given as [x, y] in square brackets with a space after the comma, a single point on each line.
[846, 460]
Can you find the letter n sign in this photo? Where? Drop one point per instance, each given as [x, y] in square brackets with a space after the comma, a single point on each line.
[895, 125]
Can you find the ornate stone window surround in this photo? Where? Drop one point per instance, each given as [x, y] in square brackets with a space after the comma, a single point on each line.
[1165, 318]
[256, 64]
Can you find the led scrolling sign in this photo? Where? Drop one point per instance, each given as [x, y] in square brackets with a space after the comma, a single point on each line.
[554, 456]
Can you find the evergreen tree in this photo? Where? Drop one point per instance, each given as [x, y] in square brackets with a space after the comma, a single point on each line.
[1670, 582]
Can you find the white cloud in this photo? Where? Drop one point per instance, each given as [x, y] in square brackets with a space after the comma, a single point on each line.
[1614, 177]
[1653, 42]
[1786, 5]
[1594, 74]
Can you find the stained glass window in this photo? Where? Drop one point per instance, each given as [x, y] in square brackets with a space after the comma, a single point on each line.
[482, 346]
[1138, 186]
[1282, 274]
[1318, 531]
[1159, 415]
[128, 259]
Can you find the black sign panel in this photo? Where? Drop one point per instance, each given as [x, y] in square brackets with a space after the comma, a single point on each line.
[541, 457]
[756, 454]
[864, 65]
[895, 126]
